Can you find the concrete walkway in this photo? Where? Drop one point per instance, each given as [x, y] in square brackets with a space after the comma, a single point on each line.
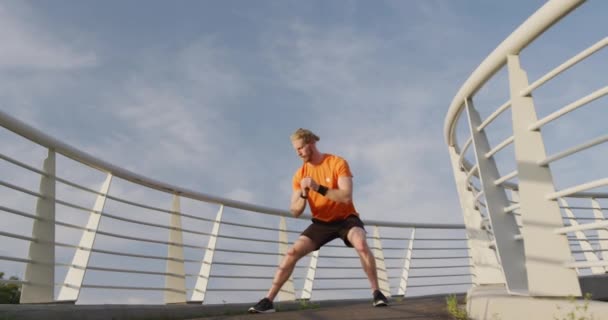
[427, 307]
[408, 309]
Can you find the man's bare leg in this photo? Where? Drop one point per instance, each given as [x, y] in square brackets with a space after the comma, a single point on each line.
[300, 248]
[357, 238]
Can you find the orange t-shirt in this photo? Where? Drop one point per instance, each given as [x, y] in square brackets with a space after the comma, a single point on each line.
[326, 173]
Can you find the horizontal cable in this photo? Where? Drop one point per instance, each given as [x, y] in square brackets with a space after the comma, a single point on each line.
[440, 267]
[573, 150]
[582, 208]
[564, 66]
[507, 177]
[340, 278]
[15, 259]
[16, 236]
[512, 207]
[583, 218]
[134, 271]
[464, 248]
[587, 264]
[478, 196]
[42, 173]
[115, 217]
[569, 108]
[15, 187]
[129, 237]
[466, 146]
[257, 227]
[473, 171]
[92, 286]
[439, 239]
[582, 227]
[442, 275]
[588, 250]
[439, 285]
[132, 255]
[436, 258]
[578, 188]
[339, 257]
[341, 289]
[233, 290]
[244, 264]
[500, 146]
[233, 277]
[494, 115]
[115, 253]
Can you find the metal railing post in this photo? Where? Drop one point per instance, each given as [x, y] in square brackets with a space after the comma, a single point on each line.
[75, 276]
[287, 292]
[310, 276]
[380, 264]
[175, 280]
[582, 239]
[200, 289]
[484, 260]
[504, 227]
[40, 270]
[546, 252]
[602, 234]
[406, 265]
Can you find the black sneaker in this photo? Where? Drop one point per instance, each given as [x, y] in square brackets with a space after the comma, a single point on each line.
[379, 299]
[264, 306]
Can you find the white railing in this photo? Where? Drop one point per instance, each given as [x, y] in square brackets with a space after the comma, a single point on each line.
[527, 233]
[108, 235]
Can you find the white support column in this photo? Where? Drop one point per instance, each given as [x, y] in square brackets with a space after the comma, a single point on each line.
[484, 260]
[406, 265]
[510, 251]
[40, 272]
[310, 276]
[546, 252]
[200, 289]
[287, 292]
[175, 281]
[380, 265]
[75, 276]
[601, 233]
[582, 240]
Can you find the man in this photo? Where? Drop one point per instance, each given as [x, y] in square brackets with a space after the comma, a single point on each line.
[324, 182]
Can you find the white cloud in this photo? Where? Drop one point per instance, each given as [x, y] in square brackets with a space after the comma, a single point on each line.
[379, 120]
[31, 45]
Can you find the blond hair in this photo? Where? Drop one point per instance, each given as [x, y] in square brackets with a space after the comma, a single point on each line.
[305, 134]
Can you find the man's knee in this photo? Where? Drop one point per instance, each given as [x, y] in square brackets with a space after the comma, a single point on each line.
[294, 254]
[358, 240]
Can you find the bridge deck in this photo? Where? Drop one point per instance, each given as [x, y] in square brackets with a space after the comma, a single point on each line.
[419, 308]
[426, 307]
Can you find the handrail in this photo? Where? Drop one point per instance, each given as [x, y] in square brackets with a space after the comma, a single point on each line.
[45, 140]
[533, 27]
[21, 128]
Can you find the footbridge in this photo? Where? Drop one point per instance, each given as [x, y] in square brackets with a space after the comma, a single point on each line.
[93, 239]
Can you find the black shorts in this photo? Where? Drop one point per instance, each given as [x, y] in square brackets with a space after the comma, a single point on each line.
[323, 232]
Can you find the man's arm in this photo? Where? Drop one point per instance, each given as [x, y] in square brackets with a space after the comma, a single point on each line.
[344, 192]
[298, 204]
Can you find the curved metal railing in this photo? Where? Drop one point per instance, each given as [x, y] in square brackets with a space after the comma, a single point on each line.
[108, 235]
[527, 231]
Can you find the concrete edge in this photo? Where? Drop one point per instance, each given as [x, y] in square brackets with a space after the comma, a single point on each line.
[494, 303]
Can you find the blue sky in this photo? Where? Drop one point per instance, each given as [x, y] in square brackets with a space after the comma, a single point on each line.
[204, 94]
